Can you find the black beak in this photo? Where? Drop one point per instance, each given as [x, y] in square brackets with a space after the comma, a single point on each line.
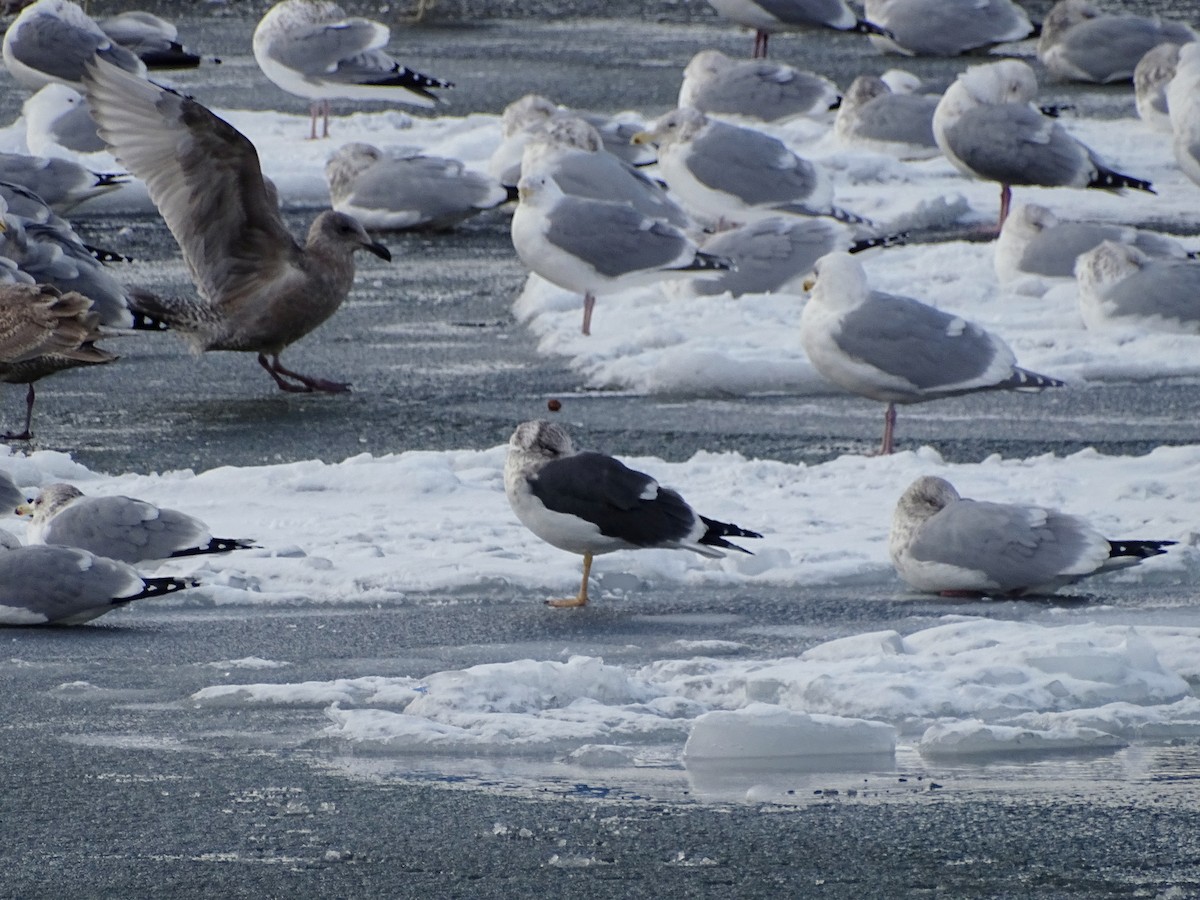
[379, 250]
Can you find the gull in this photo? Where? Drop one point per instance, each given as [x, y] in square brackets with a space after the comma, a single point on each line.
[259, 289]
[10, 495]
[43, 331]
[120, 528]
[945, 27]
[1035, 241]
[153, 39]
[1121, 285]
[1151, 78]
[571, 151]
[310, 48]
[68, 586]
[405, 189]
[1081, 43]
[533, 113]
[988, 127]
[755, 88]
[57, 119]
[729, 174]
[598, 247]
[53, 41]
[943, 543]
[1183, 100]
[589, 503]
[899, 350]
[767, 17]
[62, 184]
[898, 124]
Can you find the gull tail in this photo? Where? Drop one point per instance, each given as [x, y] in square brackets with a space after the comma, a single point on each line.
[1024, 380]
[160, 587]
[404, 77]
[862, 26]
[718, 531]
[1108, 180]
[1137, 550]
[709, 262]
[887, 240]
[217, 545]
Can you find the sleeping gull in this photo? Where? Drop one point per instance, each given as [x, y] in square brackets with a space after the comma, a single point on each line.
[67, 586]
[1121, 285]
[56, 119]
[988, 127]
[767, 17]
[259, 290]
[1034, 241]
[120, 528]
[754, 88]
[61, 183]
[589, 503]
[153, 39]
[406, 189]
[598, 247]
[533, 113]
[943, 543]
[877, 118]
[1183, 99]
[572, 152]
[53, 41]
[945, 27]
[311, 49]
[43, 331]
[729, 174]
[1151, 78]
[1081, 43]
[774, 255]
[899, 350]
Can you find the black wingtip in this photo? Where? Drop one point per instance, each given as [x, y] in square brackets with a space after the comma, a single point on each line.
[862, 26]
[216, 545]
[1024, 380]
[887, 240]
[160, 587]
[1108, 180]
[718, 531]
[709, 262]
[1138, 549]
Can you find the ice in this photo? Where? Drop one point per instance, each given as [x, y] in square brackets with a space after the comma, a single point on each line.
[973, 738]
[763, 731]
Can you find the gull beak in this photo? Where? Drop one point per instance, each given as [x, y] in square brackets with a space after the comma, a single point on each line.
[379, 250]
[642, 137]
[25, 509]
[808, 284]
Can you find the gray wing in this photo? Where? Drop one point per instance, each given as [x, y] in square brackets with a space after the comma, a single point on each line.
[947, 28]
[602, 176]
[140, 32]
[1162, 288]
[1053, 251]
[54, 583]
[1109, 48]
[316, 51]
[10, 495]
[906, 118]
[1015, 144]
[764, 91]
[833, 13]
[60, 182]
[430, 185]
[1013, 546]
[125, 529]
[767, 254]
[204, 177]
[931, 349]
[617, 137]
[48, 44]
[750, 165]
[622, 502]
[614, 238]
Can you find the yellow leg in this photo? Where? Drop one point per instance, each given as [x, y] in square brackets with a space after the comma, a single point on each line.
[582, 599]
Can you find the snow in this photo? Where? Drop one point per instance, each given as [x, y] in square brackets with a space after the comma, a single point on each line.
[381, 529]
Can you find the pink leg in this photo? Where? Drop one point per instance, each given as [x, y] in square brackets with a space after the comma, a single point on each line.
[760, 45]
[26, 434]
[326, 106]
[889, 428]
[1005, 202]
[314, 110]
[589, 303]
[307, 384]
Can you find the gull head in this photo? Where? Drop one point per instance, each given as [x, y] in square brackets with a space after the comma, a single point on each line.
[52, 498]
[706, 64]
[678, 126]
[925, 497]
[838, 280]
[541, 440]
[1107, 264]
[340, 230]
[570, 132]
[527, 112]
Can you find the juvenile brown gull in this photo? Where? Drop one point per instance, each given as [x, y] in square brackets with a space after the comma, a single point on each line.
[259, 290]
